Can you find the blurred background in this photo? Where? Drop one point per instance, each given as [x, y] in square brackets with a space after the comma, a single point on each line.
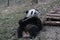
[11, 11]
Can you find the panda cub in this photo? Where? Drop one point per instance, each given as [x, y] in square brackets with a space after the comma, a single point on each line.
[31, 23]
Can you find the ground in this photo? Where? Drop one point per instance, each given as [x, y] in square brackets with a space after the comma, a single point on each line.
[50, 33]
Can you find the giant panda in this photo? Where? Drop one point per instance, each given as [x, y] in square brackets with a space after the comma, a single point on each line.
[31, 23]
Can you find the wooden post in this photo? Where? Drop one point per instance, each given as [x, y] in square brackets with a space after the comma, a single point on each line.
[8, 3]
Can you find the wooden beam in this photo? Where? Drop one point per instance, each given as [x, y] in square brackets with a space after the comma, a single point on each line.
[52, 17]
[57, 15]
[54, 12]
[52, 23]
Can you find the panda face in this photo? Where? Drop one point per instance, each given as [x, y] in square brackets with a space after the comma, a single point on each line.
[32, 13]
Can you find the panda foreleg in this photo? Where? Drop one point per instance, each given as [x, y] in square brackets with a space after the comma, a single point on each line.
[19, 32]
[33, 32]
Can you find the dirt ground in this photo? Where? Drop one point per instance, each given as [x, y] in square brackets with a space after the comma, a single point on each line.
[49, 33]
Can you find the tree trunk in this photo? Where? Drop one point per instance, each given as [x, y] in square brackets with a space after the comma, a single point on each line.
[8, 3]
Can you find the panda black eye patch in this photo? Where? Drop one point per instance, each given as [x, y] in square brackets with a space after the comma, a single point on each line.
[32, 12]
[35, 13]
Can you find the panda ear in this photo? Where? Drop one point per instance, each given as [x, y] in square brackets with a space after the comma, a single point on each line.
[36, 9]
[26, 12]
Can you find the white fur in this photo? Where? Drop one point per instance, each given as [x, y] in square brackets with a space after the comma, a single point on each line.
[29, 15]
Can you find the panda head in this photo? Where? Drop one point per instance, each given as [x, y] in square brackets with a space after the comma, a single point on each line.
[32, 13]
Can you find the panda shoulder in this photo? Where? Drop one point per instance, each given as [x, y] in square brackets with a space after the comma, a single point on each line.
[20, 21]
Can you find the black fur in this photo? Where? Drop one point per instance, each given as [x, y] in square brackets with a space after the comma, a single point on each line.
[33, 30]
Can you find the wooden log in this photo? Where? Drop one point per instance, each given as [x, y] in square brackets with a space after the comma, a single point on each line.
[52, 17]
[56, 15]
[52, 23]
[58, 12]
[54, 12]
